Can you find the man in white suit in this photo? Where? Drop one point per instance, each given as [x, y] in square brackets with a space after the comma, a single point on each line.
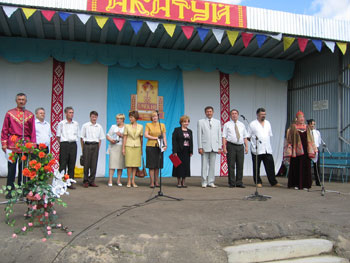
[209, 144]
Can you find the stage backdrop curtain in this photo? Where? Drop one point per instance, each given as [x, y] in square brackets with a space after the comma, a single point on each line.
[122, 83]
[37, 50]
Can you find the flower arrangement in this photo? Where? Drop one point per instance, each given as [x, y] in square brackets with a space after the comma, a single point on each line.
[39, 191]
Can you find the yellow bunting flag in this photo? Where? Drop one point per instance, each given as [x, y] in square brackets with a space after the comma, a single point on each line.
[101, 20]
[232, 36]
[28, 12]
[342, 47]
[170, 28]
[287, 42]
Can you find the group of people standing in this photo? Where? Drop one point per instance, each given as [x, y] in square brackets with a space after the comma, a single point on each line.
[126, 141]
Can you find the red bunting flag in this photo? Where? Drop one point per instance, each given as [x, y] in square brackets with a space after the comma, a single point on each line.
[246, 37]
[119, 23]
[302, 43]
[48, 14]
[188, 30]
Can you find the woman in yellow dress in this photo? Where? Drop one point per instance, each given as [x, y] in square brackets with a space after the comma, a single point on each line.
[132, 147]
[154, 157]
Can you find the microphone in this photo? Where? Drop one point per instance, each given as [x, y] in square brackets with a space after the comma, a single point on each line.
[244, 118]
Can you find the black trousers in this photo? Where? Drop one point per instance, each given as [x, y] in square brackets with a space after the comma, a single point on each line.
[90, 154]
[269, 168]
[317, 171]
[11, 172]
[235, 161]
[68, 157]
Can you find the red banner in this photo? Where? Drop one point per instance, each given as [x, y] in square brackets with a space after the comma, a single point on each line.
[201, 12]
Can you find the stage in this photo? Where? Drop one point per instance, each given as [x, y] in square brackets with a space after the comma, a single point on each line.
[114, 224]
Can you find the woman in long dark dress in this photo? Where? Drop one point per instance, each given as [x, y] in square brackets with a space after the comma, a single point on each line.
[300, 148]
[182, 141]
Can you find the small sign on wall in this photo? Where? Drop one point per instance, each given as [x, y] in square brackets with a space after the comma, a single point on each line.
[320, 105]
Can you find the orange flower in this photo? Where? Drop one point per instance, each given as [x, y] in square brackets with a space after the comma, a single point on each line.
[66, 177]
[24, 158]
[52, 162]
[37, 166]
[26, 172]
[42, 155]
[11, 158]
[28, 145]
[47, 168]
[32, 163]
[42, 146]
[13, 138]
[32, 174]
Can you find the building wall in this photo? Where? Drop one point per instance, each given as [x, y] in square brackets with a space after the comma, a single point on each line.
[315, 79]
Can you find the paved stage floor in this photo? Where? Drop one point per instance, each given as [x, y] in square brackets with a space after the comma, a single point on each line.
[114, 224]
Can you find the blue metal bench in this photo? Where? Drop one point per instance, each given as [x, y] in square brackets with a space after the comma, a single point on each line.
[336, 160]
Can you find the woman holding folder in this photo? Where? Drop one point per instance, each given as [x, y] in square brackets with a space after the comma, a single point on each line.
[182, 141]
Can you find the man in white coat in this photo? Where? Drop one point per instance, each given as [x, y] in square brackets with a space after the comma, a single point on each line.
[209, 145]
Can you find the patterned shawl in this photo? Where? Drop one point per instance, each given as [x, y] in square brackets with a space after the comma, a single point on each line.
[293, 146]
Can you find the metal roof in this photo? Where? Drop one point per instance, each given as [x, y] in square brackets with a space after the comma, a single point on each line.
[259, 20]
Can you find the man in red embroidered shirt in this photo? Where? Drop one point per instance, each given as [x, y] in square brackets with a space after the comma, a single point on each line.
[13, 125]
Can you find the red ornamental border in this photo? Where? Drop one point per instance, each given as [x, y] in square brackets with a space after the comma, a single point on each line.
[56, 105]
[224, 114]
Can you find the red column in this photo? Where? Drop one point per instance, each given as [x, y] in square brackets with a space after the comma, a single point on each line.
[56, 104]
[224, 114]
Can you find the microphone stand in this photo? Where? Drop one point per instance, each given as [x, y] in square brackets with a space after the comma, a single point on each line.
[256, 196]
[160, 193]
[323, 188]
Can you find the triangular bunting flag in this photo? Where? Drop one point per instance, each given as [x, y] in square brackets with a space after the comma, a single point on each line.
[9, 10]
[218, 33]
[287, 42]
[302, 43]
[136, 25]
[232, 36]
[48, 14]
[342, 47]
[330, 45]
[318, 44]
[188, 30]
[152, 25]
[202, 32]
[277, 37]
[246, 37]
[64, 15]
[84, 18]
[119, 23]
[170, 28]
[28, 12]
[260, 39]
[101, 20]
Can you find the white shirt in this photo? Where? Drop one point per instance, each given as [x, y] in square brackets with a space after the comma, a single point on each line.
[43, 132]
[317, 137]
[68, 132]
[92, 132]
[229, 132]
[112, 133]
[263, 133]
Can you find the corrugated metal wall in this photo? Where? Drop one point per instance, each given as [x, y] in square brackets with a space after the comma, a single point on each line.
[295, 24]
[316, 79]
[346, 101]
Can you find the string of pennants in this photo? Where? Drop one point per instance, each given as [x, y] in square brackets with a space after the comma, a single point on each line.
[136, 25]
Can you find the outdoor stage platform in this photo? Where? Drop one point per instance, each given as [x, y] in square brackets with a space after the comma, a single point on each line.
[113, 224]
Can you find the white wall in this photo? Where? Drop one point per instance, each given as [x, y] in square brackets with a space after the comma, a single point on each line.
[247, 93]
[85, 89]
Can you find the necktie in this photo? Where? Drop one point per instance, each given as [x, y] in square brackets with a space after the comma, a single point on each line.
[237, 132]
[209, 123]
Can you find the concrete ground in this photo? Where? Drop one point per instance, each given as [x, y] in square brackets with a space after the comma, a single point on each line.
[114, 224]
